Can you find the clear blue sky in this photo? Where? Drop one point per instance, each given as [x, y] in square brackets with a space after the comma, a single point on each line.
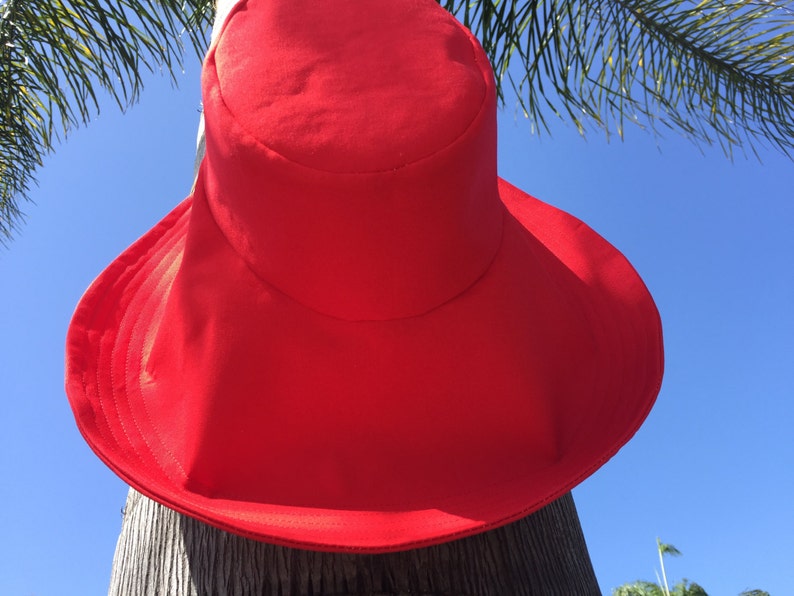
[711, 471]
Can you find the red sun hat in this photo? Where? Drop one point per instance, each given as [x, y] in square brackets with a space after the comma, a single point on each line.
[354, 336]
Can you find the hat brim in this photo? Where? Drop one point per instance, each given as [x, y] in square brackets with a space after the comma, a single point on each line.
[543, 250]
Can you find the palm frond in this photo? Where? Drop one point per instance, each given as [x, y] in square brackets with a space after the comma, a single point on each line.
[667, 549]
[687, 588]
[638, 588]
[715, 70]
[55, 56]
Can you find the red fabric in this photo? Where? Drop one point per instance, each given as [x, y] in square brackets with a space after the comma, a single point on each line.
[354, 336]
[328, 136]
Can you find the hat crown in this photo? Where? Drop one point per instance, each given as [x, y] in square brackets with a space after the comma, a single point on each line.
[367, 131]
[349, 86]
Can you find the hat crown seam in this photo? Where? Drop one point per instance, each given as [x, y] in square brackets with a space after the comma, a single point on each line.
[497, 249]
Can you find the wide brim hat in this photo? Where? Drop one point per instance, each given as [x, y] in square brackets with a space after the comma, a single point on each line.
[353, 336]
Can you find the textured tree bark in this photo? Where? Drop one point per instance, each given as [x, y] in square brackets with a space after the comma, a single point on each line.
[161, 552]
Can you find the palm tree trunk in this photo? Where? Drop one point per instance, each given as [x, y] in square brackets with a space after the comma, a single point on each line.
[161, 552]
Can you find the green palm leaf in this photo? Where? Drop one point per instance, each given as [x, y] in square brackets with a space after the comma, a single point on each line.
[56, 55]
[667, 549]
[715, 70]
[687, 588]
[638, 588]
